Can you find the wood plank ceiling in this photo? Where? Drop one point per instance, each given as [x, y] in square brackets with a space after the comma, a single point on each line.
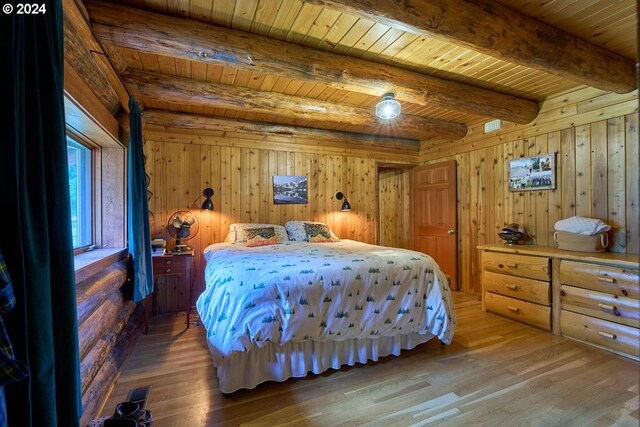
[220, 64]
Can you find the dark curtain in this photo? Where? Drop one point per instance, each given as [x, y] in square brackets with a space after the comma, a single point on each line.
[138, 209]
[36, 220]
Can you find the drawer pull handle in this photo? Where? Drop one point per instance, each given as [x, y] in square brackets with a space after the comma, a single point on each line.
[168, 261]
[512, 308]
[168, 270]
[607, 335]
[607, 279]
[608, 307]
[512, 287]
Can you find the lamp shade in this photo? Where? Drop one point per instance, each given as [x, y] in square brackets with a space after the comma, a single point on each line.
[208, 203]
[346, 206]
[388, 108]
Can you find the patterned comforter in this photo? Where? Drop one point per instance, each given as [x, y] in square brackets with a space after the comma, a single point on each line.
[299, 291]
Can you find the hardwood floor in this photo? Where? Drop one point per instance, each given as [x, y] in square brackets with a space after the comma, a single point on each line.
[496, 372]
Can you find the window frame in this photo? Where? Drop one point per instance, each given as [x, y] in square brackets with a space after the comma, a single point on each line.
[89, 121]
[95, 180]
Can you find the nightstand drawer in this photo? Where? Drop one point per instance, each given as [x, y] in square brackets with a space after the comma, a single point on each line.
[165, 265]
[612, 336]
[603, 278]
[517, 287]
[526, 312]
[598, 304]
[516, 265]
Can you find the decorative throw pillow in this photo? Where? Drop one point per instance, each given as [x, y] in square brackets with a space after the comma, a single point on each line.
[318, 233]
[297, 231]
[261, 237]
[238, 231]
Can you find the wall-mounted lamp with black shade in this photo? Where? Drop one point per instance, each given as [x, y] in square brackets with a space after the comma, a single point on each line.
[346, 206]
[208, 203]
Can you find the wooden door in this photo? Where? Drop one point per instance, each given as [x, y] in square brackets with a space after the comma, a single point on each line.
[434, 215]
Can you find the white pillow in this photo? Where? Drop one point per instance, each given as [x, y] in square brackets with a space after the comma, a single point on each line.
[238, 232]
[297, 232]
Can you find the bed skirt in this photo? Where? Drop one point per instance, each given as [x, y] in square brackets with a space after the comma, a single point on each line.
[273, 362]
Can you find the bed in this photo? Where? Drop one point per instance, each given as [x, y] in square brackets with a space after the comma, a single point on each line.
[283, 310]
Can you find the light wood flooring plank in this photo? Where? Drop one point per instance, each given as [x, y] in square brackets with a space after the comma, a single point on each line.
[496, 372]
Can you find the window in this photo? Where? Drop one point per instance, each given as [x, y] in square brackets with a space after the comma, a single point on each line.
[80, 183]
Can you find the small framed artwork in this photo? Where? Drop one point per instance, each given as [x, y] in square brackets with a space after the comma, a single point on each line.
[290, 190]
[533, 173]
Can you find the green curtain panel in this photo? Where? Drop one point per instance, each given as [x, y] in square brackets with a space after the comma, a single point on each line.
[36, 234]
[138, 209]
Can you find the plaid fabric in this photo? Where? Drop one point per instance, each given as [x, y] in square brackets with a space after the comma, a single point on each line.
[11, 370]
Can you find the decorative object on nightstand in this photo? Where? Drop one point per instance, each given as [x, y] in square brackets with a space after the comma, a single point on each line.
[182, 226]
[158, 246]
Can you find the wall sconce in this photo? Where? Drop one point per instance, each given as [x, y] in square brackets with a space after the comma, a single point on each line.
[346, 206]
[208, 203]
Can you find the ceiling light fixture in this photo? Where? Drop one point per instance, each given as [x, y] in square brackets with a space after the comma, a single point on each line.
[388, 108]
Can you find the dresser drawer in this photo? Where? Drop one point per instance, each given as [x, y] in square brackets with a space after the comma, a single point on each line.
[517, 287]
[523, 311]
[602, 278]
[170, 265]
[612, 336]
[516, 265]
[598, 304]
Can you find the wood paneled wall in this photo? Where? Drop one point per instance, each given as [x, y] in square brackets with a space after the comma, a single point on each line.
[394, 207]
[597, 177]
[242, 181]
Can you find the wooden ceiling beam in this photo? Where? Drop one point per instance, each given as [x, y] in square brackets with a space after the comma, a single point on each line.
[183, 38]
[78, 55]
[184, 91]
[496, 30]
[83, 52]
[169, 119]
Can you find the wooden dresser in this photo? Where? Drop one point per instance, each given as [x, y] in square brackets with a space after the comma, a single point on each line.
[518, 286]
[590, 297]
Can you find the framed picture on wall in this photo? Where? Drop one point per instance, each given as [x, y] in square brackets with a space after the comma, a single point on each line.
[290, 190]
[533, 173]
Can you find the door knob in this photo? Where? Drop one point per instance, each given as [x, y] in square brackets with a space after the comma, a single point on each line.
[451, 231]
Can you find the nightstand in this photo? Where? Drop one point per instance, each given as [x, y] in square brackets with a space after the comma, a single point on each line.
[181, 265]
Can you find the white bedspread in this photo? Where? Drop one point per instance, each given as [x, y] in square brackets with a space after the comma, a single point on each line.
[300, 291]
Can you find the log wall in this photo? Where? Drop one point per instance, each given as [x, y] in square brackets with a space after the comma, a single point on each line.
[595, 136]
[109, 323]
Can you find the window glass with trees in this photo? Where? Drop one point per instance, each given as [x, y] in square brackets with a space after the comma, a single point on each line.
[80, 185]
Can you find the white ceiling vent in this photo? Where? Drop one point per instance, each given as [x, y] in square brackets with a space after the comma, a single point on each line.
[492, 126]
